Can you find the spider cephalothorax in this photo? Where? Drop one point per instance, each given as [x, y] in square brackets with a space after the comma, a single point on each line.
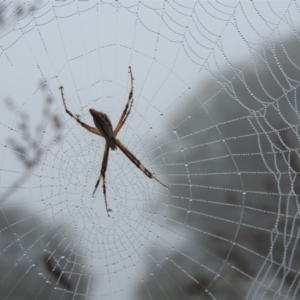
[104, 129]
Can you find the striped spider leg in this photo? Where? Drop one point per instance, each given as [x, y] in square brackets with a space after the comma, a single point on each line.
[104, 129]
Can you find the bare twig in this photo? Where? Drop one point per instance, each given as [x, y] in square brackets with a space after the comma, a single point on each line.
[30, 144]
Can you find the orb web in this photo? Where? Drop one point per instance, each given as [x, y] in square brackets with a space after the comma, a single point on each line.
[215, 117]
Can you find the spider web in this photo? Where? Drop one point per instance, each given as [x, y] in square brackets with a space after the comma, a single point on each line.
[215, 117]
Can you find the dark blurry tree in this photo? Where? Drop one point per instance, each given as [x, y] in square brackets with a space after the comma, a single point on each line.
[239, 187]
[39, 259]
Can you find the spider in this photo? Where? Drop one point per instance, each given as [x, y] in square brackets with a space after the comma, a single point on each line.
[104, 129]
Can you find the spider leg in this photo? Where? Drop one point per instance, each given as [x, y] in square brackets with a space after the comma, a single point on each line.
[102, 175]
[127, 108]
[137, 162]
[87, 127]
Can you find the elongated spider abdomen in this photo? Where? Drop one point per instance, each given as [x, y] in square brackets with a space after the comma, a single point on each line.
[103, 124]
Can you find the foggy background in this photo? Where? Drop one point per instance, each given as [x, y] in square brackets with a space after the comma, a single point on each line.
[215, 117]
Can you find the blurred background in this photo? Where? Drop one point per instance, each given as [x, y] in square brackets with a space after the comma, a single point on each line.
[215, 117]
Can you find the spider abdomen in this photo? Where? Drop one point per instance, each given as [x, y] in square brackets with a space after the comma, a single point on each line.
[103, 124]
